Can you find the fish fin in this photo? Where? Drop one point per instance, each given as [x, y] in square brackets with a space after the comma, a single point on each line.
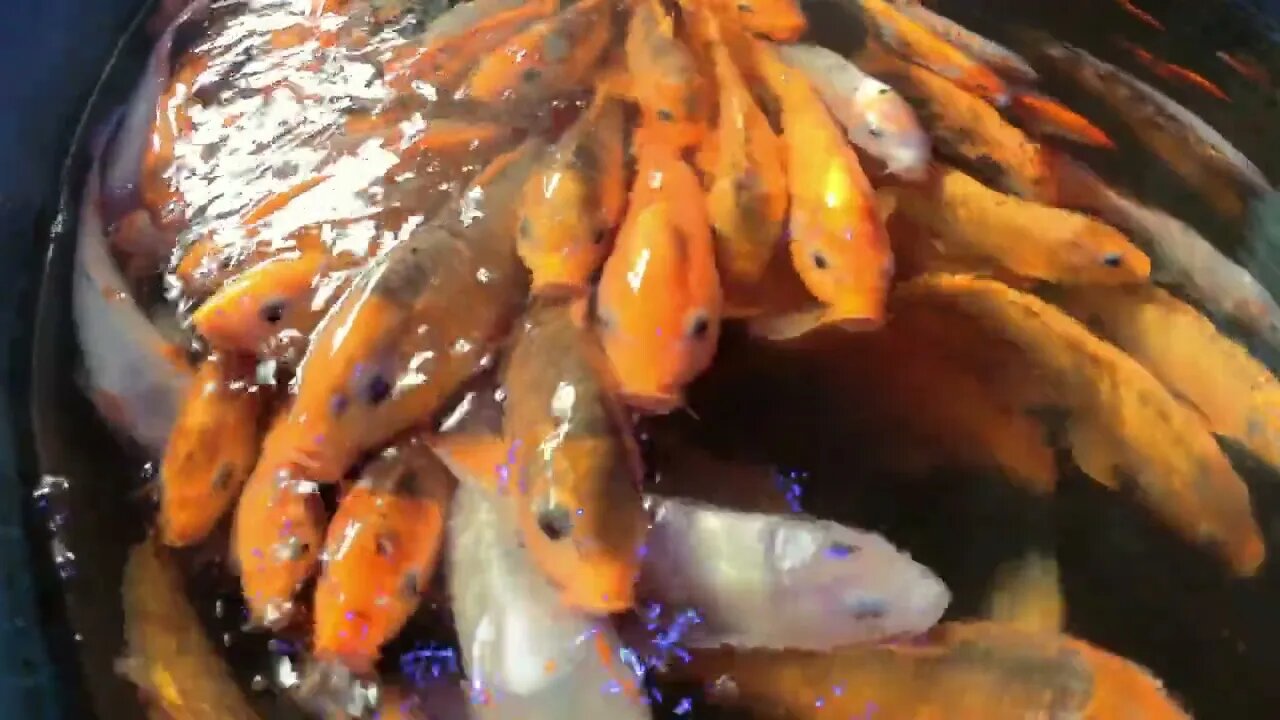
[474, 458]
[787, 326]
[886, 204]
[1093, 452]
[1027, 593]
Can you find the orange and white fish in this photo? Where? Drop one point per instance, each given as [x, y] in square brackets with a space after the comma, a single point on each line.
[874, 116]
[659, 301]
[380, 552]
[569, 206]
[838, 242]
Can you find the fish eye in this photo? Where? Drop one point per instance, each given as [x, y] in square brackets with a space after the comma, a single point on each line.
[666, 115]
[338, 405]
[556, 522]
[875, 131]
[745, 7]
[699, 326]
[1112, 259]
[273, 312]
[377, 390]
[863, 607]
[820, 260]
[841, 549]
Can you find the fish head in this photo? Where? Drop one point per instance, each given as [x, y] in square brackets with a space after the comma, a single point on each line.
[557, 236]
[261, 302]
[1105, 255]
[657, 311]
[852, 585]
[582, 518]
[776, 19]
[844, 259]
[891, 131]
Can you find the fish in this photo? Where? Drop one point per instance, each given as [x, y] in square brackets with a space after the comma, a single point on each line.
[417, 323]
[1125, 429]
[659, 300]
[875, 118]
[555, 55]
[129, 370]
[962, 125]
[1027, 238]
[276, 538]
[1182, 257]
[379, 553]
[569, 206]
[923, 46]
[1004, 61]
[527, 655]
[782, 580]
[212, 449]
[168, 655]
[838, 242]
[1247, 67]
[1027, 594]
[661, 75]
[1141, 15]
[782, 20]
[574, 465]
[965, 671]
[1237, 395]
[743, 161]
[1194, 150]
[1044, 115]
[1173, 73]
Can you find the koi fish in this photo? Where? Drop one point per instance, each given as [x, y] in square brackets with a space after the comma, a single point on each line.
[276, 538]
[379, 553]
[1247, 67]
[553, 56]
[747, 197]
[988, 52]
[1045, 116]
[1142, 15]
[1238, 397]
[1027, 238]
[527, 655]
[659, 299]
[923, 46]
[576, 469]
[764, 580]
[782, 20]
[418, 322]
[211, 450]
[1194, 150]
[1126, 430]
[838, 243]
[661, 75]
[1173, 73]
[963, 125]
[168, 653]
[874, 117]
[966, 671]
[1183, 258]
[572, 202]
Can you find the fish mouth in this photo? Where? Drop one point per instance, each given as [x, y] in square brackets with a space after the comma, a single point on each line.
[652, 402]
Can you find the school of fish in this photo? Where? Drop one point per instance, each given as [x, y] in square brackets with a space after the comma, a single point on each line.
[386, 297]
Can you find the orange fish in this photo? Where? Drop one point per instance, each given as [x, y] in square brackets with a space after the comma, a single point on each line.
[172, 122]
[275, 540]
[662, 76]
[917, 43]
[659, 299]
[379, 553]
[576, 468]
[1046, 116]
[747, 198]
[555, 55]
[781, 20]
[577, 196]
[837, 238]
[1247, 67]
[417, 323]
[963, 671]
[1174, 73]
[211, 449]
[1126, 430]
[1142, 15]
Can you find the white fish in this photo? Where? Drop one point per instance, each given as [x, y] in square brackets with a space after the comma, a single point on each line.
[874, 117]
[1181, 256]
[527, 655]
[988, 52]
[134, 383]
[783, 581]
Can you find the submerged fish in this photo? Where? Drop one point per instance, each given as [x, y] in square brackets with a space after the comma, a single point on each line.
[527, 655]
[783, 581]
[1046, 116]
[875, 117]
[662, 75]
[988, 52]
[1174, 73]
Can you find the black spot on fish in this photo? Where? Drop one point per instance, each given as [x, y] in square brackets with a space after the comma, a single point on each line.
[222, 479]
[531, 75]
[409, 585]
[867, 608]
[338, 405]
[699, 326]
[378, 389]
[556, 522]
[745, 7]
[666, 115]
[842, 550]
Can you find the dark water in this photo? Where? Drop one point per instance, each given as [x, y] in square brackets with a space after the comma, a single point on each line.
[1130, 586]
